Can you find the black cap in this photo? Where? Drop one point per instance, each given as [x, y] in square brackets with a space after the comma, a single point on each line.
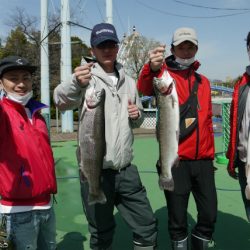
[248, 39]
[102, 32]
[15, 62]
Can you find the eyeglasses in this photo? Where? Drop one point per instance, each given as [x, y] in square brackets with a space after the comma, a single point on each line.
[107, 45]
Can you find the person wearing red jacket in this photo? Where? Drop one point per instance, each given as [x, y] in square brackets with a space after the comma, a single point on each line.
[195, 171]
[27, 177]
[239, 131]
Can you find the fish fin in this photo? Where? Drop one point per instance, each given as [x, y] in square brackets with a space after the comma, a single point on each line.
[166, 183]
[99, 198]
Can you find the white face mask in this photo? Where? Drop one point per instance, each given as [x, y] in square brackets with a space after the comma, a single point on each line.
[22, 99]
[184, 62]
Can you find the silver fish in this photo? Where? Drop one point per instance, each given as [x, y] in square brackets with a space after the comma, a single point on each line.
[92, 146]
[167, 129]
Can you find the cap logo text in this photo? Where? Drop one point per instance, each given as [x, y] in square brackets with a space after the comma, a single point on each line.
[104, 30]
[184, 34]
[19, 61]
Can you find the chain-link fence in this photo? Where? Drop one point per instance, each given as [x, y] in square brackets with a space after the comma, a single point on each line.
[225, 113]
[150, 118]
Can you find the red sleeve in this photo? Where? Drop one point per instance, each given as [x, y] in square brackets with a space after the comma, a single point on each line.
[233, 125]
[145, 80]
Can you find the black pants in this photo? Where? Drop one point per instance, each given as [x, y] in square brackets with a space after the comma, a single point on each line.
[196, 177]
[243, 183]
[124, 190]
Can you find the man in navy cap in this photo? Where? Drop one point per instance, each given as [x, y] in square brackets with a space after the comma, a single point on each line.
[238, 147]
[27, 177]
[120, 179]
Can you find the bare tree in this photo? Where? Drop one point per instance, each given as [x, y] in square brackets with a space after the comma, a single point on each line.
[134, 51]
[27, 23]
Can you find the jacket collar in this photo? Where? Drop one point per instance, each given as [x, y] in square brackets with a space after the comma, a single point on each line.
[32, 105]
[98, 71]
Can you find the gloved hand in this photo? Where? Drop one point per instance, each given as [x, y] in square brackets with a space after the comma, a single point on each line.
[232, 173]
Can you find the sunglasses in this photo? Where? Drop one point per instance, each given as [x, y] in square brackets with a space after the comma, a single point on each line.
[107, 45]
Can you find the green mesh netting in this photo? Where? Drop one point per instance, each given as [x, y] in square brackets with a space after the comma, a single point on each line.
[226, 124]
[225, 112]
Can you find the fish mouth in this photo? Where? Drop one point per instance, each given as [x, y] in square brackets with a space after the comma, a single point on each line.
[92, 103]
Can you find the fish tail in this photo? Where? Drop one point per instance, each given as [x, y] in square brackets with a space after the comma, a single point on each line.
[99, 198]
[166, 183]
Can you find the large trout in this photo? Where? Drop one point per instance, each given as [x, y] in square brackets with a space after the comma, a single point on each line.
[167, 129]
[92, 142]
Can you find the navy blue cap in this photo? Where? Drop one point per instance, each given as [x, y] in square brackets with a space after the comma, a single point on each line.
[102, 32]
[15, 62]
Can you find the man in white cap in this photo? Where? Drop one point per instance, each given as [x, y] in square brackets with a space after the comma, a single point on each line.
[195, 171]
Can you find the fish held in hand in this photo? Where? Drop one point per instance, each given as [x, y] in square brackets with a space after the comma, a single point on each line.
[167, 129]
[93, 146]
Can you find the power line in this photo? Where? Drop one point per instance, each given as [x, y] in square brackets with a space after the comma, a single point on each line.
[119, 18]
[98, 7]
[194, 17]
[56, 26]
[82, 6]
[53, 7]
[79, 25]
[208, 7]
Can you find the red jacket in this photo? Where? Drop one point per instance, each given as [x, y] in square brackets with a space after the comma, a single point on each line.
[236, 113]
[27, 175]
[200, 143]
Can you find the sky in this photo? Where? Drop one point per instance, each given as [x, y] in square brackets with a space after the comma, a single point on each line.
[221, 25]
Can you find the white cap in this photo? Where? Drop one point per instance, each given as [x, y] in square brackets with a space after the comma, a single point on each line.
[184, 34]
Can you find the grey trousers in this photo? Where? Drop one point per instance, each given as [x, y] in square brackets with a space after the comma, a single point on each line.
[123, 190]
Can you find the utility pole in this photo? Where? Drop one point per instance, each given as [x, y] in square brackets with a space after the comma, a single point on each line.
[66, 70]
[109, 16]
[45, 89]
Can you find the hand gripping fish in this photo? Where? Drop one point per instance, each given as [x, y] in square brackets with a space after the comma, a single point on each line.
[92, 143]
[247, 168]
[167, 129]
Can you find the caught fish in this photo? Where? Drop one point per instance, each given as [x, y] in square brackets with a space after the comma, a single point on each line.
[92, 146]
[167, 129]
[247, 169]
